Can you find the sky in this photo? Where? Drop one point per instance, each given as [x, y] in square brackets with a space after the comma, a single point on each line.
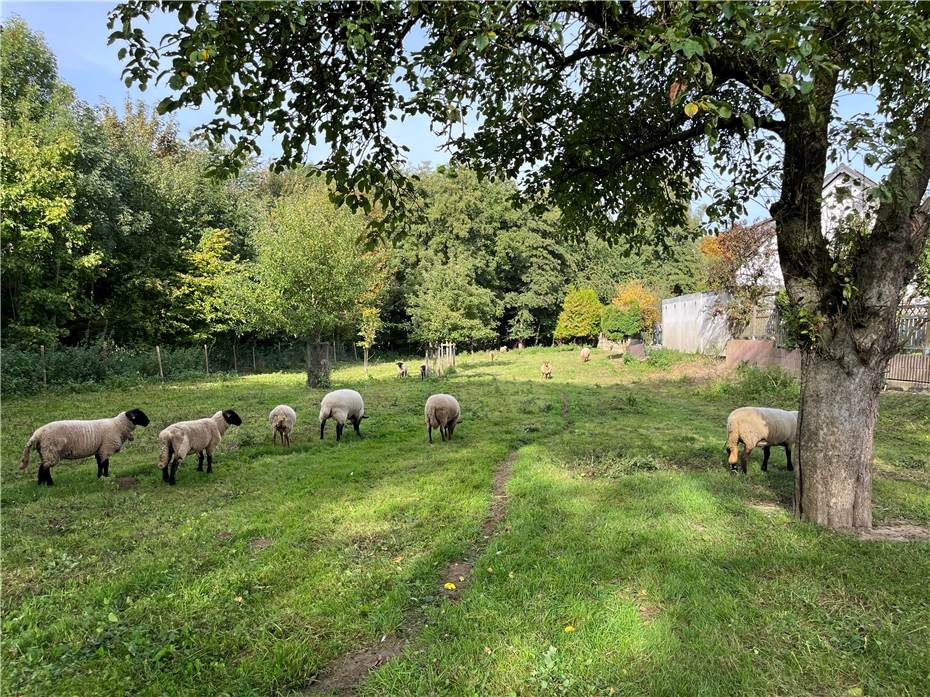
[77, 34]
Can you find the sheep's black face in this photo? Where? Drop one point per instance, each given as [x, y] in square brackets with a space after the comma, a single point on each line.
[232, 417]
[138, 417]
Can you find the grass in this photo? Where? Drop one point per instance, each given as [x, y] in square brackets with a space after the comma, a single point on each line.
[622, 523]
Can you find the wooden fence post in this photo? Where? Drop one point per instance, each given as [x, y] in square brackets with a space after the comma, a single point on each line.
[206, 359]
[254, 368]
[44, 370]
[235, 359]
[161, 371]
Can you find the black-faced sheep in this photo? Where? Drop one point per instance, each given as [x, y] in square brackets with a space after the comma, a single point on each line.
[75, 440]
[198, 436]
[282, 419]
[753, 426]
[342, 406]
[401, 369]
[442, 411]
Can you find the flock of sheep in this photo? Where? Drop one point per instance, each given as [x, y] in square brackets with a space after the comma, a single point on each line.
[102, 438]
[750, 427]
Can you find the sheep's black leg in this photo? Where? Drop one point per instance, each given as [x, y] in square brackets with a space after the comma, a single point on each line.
[165, 472]
[355, 425]
[339, 428]
[322, 426]
[106, 467]
[788, 455]
[429, 430]
[744, 460]
[200, 461]
[450, 428]
[172, 479]
[287, 438]
[442, 432]
[99, 466]
[209, 463]
[43, 474]
[46, 474]
[765, 458]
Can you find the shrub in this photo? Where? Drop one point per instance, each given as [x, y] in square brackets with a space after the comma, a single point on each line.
[580, 317]
[617, 324]
[640, 304]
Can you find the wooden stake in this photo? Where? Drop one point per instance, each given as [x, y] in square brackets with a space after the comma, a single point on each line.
[161, 371]
[254, 369]
[235, 359]
[206, 359]
[44, 370]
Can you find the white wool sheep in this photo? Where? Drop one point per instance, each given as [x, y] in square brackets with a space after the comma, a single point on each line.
[198, 436]
[342, 406]
[547, 370]
[442, 411]
[503, 349]
[401, 369]
[753, 426]
[75, 440]
[585, 354]
[282, 419]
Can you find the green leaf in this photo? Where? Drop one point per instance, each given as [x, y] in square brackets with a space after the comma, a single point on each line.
[690, 48]
[786, 80]
[481, 42]
[748, 122]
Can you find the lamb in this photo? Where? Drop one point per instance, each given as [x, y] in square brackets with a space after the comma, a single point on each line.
[342, 406]
[503, 349]
[75, 440]
[198, 436]
[282, 419]
[442, 411]
[424, 371]
[753, 426]
[585, 354]
[546, 370]
[401, 369]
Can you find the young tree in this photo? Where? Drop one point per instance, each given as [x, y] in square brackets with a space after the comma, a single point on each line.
[580, 317]
[634, 299]
[309, 269]
[613, 110]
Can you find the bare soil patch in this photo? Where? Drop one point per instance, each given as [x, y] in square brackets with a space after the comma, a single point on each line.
[126, 483]
[348, 672]
[224, 535]
[898, 531]
[259, 543]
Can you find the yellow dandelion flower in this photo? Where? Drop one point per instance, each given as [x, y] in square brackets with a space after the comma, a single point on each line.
[449, 586]
[568, 629]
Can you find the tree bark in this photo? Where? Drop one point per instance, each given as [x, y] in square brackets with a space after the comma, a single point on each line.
[317, 362]
[365, 351]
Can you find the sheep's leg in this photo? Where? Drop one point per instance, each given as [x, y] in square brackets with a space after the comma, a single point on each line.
[450, 428]
[43, 474]
[322, 426]
[765, 458]
[355, 425]
[788, 455]
[106, 467]
[209, 462]
[166, 472]
[48, 475]
[99, 466]
[339, 428]
[429, 430]
[274, 437]
[288, 437]
[172, 478]
[200, 461]
[744, 459]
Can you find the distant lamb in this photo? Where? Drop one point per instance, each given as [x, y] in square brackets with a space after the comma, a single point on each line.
[282, 419]
[546, 370]
[75, 440]
[585, 354]
[753, 426]
[442, 411]
[424, 371]
[401, 369]
[342, 406]
[199, 436]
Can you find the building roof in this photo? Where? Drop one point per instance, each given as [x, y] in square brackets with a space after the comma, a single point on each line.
[849, 173]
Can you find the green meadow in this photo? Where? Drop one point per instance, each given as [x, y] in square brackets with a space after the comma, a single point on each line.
[626, 559]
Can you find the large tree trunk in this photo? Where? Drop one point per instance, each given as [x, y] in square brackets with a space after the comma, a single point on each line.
[833, 476]
[317, 363]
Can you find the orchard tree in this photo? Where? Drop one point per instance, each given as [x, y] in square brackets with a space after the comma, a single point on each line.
[615, 111]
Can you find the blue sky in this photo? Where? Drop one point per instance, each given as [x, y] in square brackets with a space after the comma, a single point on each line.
[77, 34]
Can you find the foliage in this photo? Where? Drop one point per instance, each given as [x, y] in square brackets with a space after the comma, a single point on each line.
[580, 317]
[28, 72]
[617, 324]
[522, 326]
[633, 297]
[450, 306]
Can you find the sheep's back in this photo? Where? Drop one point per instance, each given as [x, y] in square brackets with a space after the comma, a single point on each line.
[283, 414]
[348, 403]
[75, 439]
[441, 409]
[758, 424]
[199, 433]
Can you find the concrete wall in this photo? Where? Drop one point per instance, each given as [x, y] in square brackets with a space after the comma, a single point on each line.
[762, 353]
[689, 324]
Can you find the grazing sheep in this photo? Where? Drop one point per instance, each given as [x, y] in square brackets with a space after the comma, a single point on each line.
[424, 371]
[199, 436]
[401, 369]
[754, 426]
[342, 406]
[503, 349]
[442, 411]
[282, 419]
[546, 370]
[75, 440]
[585, 354]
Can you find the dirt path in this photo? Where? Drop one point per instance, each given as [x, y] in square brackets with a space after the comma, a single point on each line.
[348, 672]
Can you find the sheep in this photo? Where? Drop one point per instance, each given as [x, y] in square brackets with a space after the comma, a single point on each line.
[585, 354]
[442, 411]
[199, 436]
[491, 355]
[75, 440]
[503, 349]
[282, 419]
[546, 370]
[401, 369]
[753, 426]
[342, 406]
[424, 371]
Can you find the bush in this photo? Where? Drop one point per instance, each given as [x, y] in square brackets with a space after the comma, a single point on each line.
[771, 386]
[634, 298]
[581, 315]
[617, 324]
